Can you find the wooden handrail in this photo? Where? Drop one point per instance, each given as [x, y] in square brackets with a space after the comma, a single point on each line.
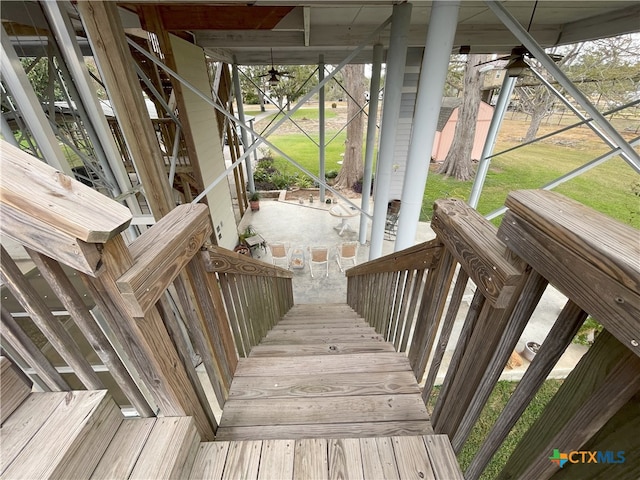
[221, 260]
[544, 238]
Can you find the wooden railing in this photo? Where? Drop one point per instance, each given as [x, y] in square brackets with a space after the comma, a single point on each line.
[255, 295]
[158, 305]
[544, 238]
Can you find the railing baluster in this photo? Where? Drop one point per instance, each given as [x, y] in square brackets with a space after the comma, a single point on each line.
[557, 341]
[61, 285]
[239, 335]
[415, 296]
[51, 327]
[13, 334]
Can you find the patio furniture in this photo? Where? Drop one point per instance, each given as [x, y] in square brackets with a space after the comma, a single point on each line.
[391, 223]
[279, 254]
[256, 241]
[319, 256]
[297, 259]
[343, 212]
[347, 251]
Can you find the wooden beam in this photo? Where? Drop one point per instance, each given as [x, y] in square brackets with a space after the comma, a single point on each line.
[104, 29]
[424, 255]
[224, 261]
[473, 242]
[584, 255]
[160, 254]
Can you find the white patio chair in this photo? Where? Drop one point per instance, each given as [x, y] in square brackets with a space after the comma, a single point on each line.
[279, 255]
[319, 256]
[347, 251]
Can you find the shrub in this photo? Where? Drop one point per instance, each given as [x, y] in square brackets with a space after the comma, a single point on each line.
[331, 174]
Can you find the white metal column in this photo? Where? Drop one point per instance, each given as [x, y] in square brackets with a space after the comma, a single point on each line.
[396, 59]
[321, 128]
[372, 130]
[494, 127]
[435, 62]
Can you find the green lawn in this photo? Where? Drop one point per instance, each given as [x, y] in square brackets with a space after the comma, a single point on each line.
[490, 413]
[612, 188]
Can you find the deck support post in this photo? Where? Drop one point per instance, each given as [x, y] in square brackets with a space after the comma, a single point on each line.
[442, 28]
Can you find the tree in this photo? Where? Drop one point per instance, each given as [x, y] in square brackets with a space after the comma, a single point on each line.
[352, 168]
[538, 100]
[458, 160]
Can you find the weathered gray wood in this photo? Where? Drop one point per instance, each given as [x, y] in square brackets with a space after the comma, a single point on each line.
[323, 385]
[40, 236]
[345, 459]
[473, 242]
[447, 326]
[324, 349]
[320, 339]
[412, 459]
[327, 430]
[184, 350]
[70, 298]
[620, 385]
[40, 192]
[443, 459]
[378, 458]
[243, 460]
[311, 459]
[224, 261]
[52, 329]
[146, 342]
[210, 461]
[163, 251]
[519, 315]
[293, 332]
[103, 26]
[239, 334]
[420, 256]
[276, 460]
[431, 312]
[20, 427]
[123, 451]
[323, 364]
[414, 295]
[287, 411]
[167, 449]
[473, 313]
[82, 426]
[581, 276]
[15, 387]
[620, 434]
[558, 339]
[605, 356]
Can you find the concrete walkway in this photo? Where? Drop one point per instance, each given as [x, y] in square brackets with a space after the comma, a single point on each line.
[304, 225]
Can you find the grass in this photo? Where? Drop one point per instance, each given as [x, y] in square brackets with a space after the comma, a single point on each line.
[498, 399]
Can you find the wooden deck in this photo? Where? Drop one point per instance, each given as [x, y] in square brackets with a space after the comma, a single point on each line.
[322, 372]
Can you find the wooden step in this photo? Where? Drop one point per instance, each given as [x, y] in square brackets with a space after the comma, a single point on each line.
[125, 448]
[321, 324]
[71, 441]
[169, 451]
[323, 338]
[323, 385]
[15, 387]
[323, 349]
[408, 457]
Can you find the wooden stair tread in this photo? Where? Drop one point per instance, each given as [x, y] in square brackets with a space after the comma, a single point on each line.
[123, 451]
[323, 364]
[396, 457]
[82, 425]
[169, 450]
[15, 387]
[276, 350]
[323, 385]
[322, 375]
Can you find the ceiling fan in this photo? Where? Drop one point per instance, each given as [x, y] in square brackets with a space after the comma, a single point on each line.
[273, 74]
[516, 63]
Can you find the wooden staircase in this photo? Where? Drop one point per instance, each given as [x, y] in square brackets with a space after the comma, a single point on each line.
[323, 396]
[323, 372]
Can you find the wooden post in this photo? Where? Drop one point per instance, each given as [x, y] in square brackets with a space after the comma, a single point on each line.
[104, 29]
[146, 341]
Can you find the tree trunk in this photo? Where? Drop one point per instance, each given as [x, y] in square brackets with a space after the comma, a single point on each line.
[352, 168]
[542, 102]
[458, 161]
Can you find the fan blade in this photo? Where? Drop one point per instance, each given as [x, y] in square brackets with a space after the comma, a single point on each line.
[491, 61]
